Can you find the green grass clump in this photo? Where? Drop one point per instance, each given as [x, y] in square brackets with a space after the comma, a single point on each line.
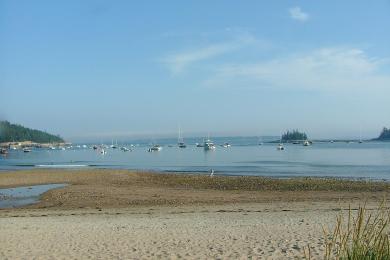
[361, 236]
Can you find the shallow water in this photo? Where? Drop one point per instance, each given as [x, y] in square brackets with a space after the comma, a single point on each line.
[369, 160]
[21, 196]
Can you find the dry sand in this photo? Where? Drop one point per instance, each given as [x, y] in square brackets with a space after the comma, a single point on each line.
[267, 231]
[124, 215]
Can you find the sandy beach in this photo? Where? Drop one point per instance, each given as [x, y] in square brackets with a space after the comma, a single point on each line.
[109, 214]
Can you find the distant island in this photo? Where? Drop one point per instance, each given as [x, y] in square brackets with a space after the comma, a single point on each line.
[294, 135]
[17, 133]
[384, 135]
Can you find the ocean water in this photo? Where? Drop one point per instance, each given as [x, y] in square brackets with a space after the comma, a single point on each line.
[369, 160]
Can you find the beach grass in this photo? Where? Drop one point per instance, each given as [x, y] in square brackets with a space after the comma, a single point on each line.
[363, 235]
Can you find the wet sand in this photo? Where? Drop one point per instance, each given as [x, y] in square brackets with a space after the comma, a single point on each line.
[129, 215]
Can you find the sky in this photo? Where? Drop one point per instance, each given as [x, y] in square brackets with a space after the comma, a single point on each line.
[111, 69]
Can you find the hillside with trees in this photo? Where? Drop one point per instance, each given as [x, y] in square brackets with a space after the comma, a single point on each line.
[384, 135]
[17, 133]
[293, 135]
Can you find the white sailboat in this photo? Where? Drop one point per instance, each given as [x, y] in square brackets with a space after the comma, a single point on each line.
[180, 140]
[280, 146]
[208, 144]
[360, 137]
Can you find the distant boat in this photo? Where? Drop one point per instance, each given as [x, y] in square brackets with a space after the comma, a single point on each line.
[26, 150]
[199, 145]
[102, 151]
[280, 147]
[3, 151]
[114, 146]
[360, 137]
[155, 148]
[306, 143]
[180, 141]
[95, 147]
[226, 145]
[125, 149]
[208, 145]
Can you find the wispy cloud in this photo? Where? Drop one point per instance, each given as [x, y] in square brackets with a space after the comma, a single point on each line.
[297, 14]
[327, 69]
[177, 62]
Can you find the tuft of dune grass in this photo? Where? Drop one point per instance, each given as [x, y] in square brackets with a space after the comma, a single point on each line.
[364, 235]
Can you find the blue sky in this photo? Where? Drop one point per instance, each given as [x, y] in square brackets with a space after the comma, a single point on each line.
[126, 68]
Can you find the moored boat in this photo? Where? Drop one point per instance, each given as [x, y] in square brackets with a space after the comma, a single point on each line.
[155, 148]
[209, 145]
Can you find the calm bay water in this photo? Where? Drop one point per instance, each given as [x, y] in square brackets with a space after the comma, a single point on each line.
[369, 160]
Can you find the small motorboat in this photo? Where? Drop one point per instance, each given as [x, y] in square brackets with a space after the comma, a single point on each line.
[155, 148]
[226, 145]
[280, 147]
[3, 151]
[208, 145]
[26, 150]
[306, 143]
[125, 149]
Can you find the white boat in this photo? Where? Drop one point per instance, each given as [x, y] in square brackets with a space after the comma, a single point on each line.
[199, 145]
[208, 145]
[306, 143]
[280, 147]
[114, 146]
[125, 149]
[155, 148]
[226, 145]
[26, 150]
[102, 151]
[180, 141]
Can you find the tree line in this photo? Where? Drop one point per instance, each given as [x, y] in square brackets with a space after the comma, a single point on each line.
[18, 133]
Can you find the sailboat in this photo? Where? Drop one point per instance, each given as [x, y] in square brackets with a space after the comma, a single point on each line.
[114, 146]
[280, 147]
[360, 137]
[180, 140]
[259, 141]
[208, 144]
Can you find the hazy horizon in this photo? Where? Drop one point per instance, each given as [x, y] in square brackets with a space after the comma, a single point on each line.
[97, 69]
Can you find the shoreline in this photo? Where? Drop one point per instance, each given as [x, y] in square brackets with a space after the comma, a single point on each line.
[133, 215]
[122, 188]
